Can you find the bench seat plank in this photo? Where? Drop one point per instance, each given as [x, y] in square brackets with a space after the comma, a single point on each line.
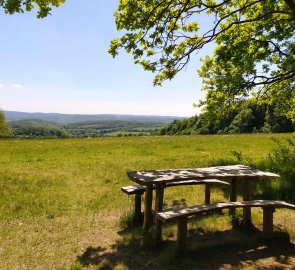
[182, 214]
[173, 214]
[196, 182]
[136, 189]
[130, 190]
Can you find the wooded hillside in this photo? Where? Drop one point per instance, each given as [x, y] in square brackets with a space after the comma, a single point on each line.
[245, 117]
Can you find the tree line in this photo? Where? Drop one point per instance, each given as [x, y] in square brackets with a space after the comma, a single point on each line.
[37, 128]
[246, 116]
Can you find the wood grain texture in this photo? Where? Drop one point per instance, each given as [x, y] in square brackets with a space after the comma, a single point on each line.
[135, 189]
[220, 172]
[173, 214]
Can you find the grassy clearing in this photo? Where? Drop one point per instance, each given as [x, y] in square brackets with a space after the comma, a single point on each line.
[60, 200]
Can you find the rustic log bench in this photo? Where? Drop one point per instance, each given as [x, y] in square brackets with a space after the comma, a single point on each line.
[138, 191]
[181, 216]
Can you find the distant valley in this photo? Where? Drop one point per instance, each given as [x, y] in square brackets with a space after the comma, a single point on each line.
[55, 125]
[77, 118]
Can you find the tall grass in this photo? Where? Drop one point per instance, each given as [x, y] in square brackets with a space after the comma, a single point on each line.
[282, 161]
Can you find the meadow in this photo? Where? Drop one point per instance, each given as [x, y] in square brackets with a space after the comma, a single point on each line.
[61, 205]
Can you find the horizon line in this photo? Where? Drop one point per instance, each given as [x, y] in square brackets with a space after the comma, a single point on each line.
[92, 114]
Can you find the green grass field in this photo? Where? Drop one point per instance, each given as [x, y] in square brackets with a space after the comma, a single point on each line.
[61, 205]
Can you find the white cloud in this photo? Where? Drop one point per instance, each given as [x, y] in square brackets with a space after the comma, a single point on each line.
[18, 86]
[1, 85]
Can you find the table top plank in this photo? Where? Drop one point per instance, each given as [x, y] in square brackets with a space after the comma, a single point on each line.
[219, 172]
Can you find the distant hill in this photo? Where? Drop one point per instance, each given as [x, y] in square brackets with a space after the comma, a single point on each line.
[78, 118]
[33, 128]
[54, 125]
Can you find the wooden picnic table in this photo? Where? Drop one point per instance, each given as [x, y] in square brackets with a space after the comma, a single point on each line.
[159, 178]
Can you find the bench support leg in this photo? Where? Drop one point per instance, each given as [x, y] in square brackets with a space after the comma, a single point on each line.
[247, 221]
[137, 209]
[158, 208]
[182, 234]
[147, 222]
[268, 221]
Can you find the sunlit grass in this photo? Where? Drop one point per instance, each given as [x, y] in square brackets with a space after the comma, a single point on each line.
[58, 197]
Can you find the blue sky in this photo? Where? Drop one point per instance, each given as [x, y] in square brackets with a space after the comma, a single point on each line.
[60, 64]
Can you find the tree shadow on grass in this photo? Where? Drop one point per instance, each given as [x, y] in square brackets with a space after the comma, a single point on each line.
[232, 249]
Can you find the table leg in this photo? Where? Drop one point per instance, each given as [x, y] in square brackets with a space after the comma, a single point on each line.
[268, 221]
[147, 221]
[158, 208]
[247, 197]
[233, 196]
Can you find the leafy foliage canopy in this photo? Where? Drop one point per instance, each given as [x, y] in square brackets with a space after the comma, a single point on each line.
[254, 54]
[19, 6]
